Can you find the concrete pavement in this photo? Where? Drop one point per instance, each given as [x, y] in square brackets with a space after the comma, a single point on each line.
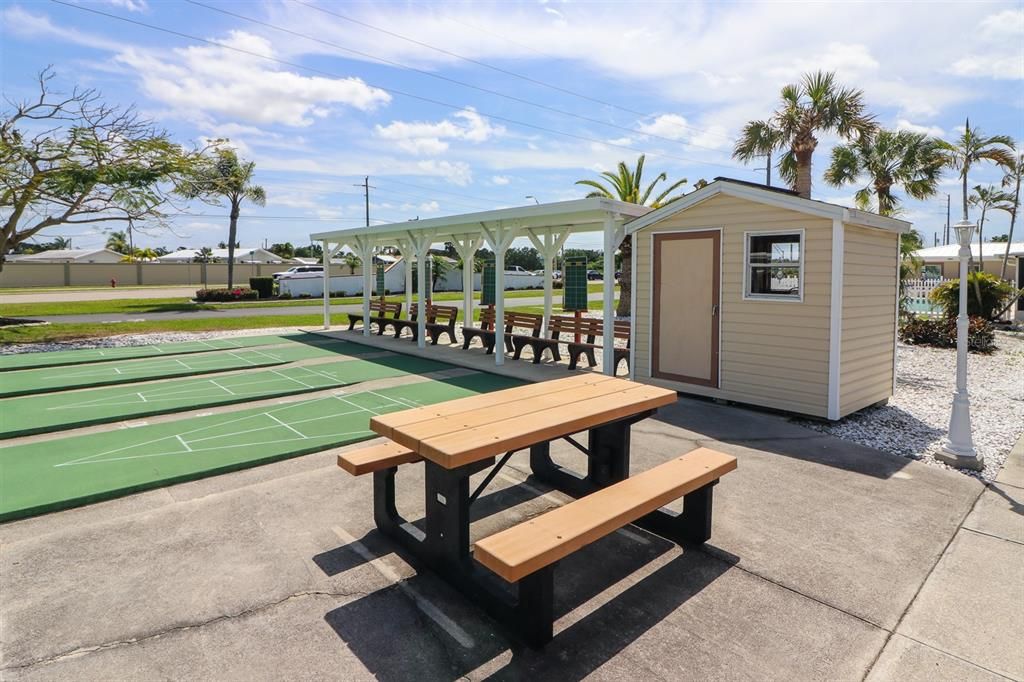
[828, 561]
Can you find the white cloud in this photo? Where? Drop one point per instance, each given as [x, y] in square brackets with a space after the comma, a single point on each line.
[421, 137]
[500, 180]
[429, 207]
[672, 126]
[199, 80]
[27, 25]
[130, 5]
[934, 131]
[999, 54]
[457, 173]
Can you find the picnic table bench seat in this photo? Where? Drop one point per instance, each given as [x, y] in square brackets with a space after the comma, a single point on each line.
[376, 458]
[379, 311]
[526, 553]
[440, 320]
[513, 320]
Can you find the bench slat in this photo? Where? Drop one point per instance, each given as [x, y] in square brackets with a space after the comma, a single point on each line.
[523, 549]
[376, 457]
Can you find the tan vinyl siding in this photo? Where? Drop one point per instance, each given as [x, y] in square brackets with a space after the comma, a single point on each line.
[869, 318]
[774, 353]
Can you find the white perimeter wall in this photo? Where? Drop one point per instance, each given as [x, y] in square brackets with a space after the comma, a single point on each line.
[394, 281]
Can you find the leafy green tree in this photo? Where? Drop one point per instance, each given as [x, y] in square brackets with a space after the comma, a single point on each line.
[973, 147]
[817, 104]
[884, 161]
[311, 251]
[988, 199]
[221, 176]
[285, 250]
[994, 293]
[72, 160]
[910, 263]
[628, 185]
[204, 255]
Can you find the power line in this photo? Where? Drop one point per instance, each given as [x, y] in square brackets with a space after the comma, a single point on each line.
[464, 84]
[388, 90]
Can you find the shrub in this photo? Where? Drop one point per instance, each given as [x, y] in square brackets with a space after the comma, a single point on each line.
[994, 295]
[284, 295]
[558, 284]
[304, 295]
[263, 285]
[226, 295]
[941, 333]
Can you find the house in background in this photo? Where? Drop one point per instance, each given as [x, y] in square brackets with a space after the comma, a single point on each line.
[756, 295]
[242, 255]
[69, 256]
[944, 261]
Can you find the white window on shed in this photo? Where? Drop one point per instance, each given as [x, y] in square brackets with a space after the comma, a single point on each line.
[774, 266]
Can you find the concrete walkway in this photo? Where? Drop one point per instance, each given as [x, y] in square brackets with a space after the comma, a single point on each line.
[828, 560]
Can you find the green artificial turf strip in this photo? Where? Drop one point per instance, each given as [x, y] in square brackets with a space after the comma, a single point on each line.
[50, 412]
[87, 355]
[67, 472]
[53, 379]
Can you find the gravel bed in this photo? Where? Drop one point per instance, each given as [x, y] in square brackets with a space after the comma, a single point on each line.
[915, 421]
[138, 340]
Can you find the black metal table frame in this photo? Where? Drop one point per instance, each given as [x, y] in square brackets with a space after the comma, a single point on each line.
[445, 543]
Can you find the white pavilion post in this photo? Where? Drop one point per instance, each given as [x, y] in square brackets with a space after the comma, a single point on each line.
[365, 253]
[548, 245]
[420, 242]
[405, 246]
[500, 238]
[327, 285]
[611, 231]
[467, 246]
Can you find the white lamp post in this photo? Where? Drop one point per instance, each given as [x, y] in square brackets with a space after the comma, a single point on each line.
[959, 448]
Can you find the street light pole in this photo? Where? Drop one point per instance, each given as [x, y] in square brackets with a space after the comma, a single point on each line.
[958, 451]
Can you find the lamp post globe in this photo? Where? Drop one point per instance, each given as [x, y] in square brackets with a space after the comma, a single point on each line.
[958, 450]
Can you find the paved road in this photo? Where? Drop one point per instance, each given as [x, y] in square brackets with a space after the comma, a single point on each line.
[289, 310]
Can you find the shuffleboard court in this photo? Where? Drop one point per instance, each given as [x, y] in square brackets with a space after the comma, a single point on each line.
[60, 411]
[67, 472]
[88, 355]
[51, 379]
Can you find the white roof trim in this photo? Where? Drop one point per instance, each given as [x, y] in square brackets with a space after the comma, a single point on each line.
[579, 215]
[766, 196]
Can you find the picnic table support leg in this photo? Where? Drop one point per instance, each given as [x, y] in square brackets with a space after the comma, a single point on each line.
[385, 513]
[535, 610]
[447, 513]
[693, 526]
[609, 454]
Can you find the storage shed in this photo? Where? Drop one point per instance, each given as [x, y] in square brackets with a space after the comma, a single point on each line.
[756, 295]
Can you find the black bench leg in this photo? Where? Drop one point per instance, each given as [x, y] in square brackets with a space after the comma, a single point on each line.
[536, 608]
[609, 454]
[574, 358]
[696, 517]
[385, 514]
[591, 358]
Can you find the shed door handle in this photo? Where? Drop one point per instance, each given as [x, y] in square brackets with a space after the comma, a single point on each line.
[714, 309]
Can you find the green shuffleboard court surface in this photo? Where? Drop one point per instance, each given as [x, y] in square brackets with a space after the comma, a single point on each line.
[60, 411]
[68, 472]
[86, 355]
[51, 379]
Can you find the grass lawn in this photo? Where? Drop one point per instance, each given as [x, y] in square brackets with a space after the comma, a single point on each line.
[84, 330]
[155, 305]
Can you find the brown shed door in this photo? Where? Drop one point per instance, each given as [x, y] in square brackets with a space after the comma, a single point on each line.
[685, 316]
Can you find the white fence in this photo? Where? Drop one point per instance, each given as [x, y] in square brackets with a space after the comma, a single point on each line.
[311, 284]
[917, 291]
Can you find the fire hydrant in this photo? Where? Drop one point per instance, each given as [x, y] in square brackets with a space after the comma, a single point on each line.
[113, 283]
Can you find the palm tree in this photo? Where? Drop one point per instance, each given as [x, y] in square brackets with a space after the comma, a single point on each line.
[972, 147]
[61, 243]
[627, 185]
[988, 198]
[1013, 177]
[118, 241]
[886, 160]
[223, 176]
[815, 104]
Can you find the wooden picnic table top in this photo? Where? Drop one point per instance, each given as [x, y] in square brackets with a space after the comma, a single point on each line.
[466, 430]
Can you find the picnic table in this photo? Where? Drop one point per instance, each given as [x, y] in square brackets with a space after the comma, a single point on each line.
[459, 438]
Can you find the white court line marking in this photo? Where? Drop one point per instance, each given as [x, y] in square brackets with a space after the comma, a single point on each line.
[422, 603]
[117, 370]
[224, 388]
[298, 381]
[182, 441]
[141, 397]
[290, 428]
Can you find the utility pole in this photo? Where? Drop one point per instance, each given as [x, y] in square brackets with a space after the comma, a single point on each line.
[768, 170]
[365, 184]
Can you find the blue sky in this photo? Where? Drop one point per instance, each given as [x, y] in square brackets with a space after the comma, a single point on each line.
[677, 80]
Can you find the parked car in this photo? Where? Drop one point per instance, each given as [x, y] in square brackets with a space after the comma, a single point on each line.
[594, 274]
[297, 270]
[517, 270]
[555, 274]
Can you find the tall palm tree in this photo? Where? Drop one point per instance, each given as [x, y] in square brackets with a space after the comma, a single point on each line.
[988, 199]
[352, 261]
[817, 104]
[973, 147]
[886, 160]
[1013, 177]
[223, 176]
[627, 185]
[118, 241]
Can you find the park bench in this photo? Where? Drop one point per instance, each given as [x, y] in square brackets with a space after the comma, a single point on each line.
[379, 311]
[526, 553]
[513, 321]
[440, 320]
[590, 329]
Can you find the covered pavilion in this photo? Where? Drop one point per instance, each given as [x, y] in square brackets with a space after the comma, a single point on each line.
[547, 226]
